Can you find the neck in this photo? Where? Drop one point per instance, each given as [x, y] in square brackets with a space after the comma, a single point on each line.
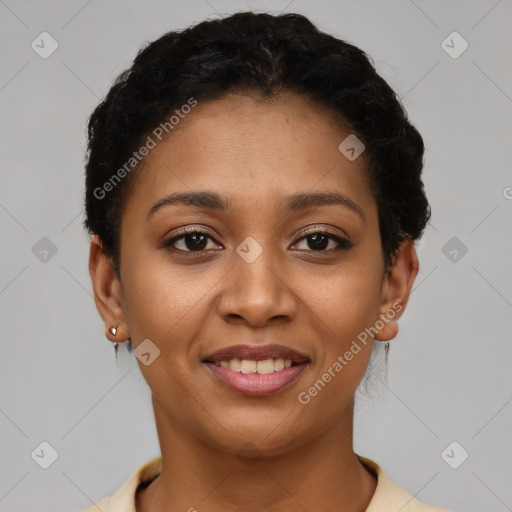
[322, 474]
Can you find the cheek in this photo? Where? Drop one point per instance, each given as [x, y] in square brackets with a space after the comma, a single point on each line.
[346, 301]
[351, 307]
[157, 296]
[159, 304]
[166, 306]
[344, 307]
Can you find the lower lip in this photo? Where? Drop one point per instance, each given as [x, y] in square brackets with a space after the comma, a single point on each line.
[254, 384]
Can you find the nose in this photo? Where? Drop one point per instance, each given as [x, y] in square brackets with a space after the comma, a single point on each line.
[257, 293]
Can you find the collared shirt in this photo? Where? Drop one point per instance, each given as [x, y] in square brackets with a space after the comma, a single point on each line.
[388, 496]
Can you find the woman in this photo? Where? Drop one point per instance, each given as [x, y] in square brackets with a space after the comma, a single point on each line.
[253, 193]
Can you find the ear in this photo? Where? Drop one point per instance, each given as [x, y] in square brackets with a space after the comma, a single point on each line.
[396, 288]
[107, 291]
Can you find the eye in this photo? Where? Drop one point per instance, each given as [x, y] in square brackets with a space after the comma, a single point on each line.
[318, 240]
[196, 240]
[191, 239]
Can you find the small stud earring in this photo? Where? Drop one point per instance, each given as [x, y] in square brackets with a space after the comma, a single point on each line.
[113, 331]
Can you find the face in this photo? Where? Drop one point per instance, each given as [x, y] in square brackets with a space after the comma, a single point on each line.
[284, 249]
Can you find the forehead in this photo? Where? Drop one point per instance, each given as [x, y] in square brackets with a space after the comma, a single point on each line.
[252, 150]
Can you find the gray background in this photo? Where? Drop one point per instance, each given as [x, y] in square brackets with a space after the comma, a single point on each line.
[449, 368]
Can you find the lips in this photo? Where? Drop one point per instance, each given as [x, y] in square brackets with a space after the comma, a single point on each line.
[257, 353]
[234, 367]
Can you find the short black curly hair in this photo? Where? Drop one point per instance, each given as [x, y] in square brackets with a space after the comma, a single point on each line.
[264, 54]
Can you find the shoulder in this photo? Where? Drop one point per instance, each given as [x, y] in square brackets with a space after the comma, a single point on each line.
[123, 500]
[390, 497]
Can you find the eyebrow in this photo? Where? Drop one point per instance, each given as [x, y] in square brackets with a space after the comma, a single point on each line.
[293, 203]
[207, 200]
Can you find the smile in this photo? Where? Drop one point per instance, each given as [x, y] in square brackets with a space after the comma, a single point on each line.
[256, 378]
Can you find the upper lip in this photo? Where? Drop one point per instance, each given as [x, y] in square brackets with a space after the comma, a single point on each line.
[257, 353]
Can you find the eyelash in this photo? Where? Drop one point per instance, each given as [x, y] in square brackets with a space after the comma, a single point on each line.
[343, 243]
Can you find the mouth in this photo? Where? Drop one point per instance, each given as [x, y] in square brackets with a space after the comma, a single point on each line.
[257, 370]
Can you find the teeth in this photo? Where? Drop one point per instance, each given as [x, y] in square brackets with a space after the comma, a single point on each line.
[266, 366]
[234, 364]
[249, 366]
[279, 364]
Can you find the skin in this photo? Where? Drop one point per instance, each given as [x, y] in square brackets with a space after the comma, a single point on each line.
[255, 153]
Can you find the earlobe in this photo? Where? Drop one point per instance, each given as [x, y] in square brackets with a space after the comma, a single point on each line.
[396, 289]
[107, 291]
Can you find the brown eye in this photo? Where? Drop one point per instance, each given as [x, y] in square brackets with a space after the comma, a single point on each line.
[192, 240]
[319, 241]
